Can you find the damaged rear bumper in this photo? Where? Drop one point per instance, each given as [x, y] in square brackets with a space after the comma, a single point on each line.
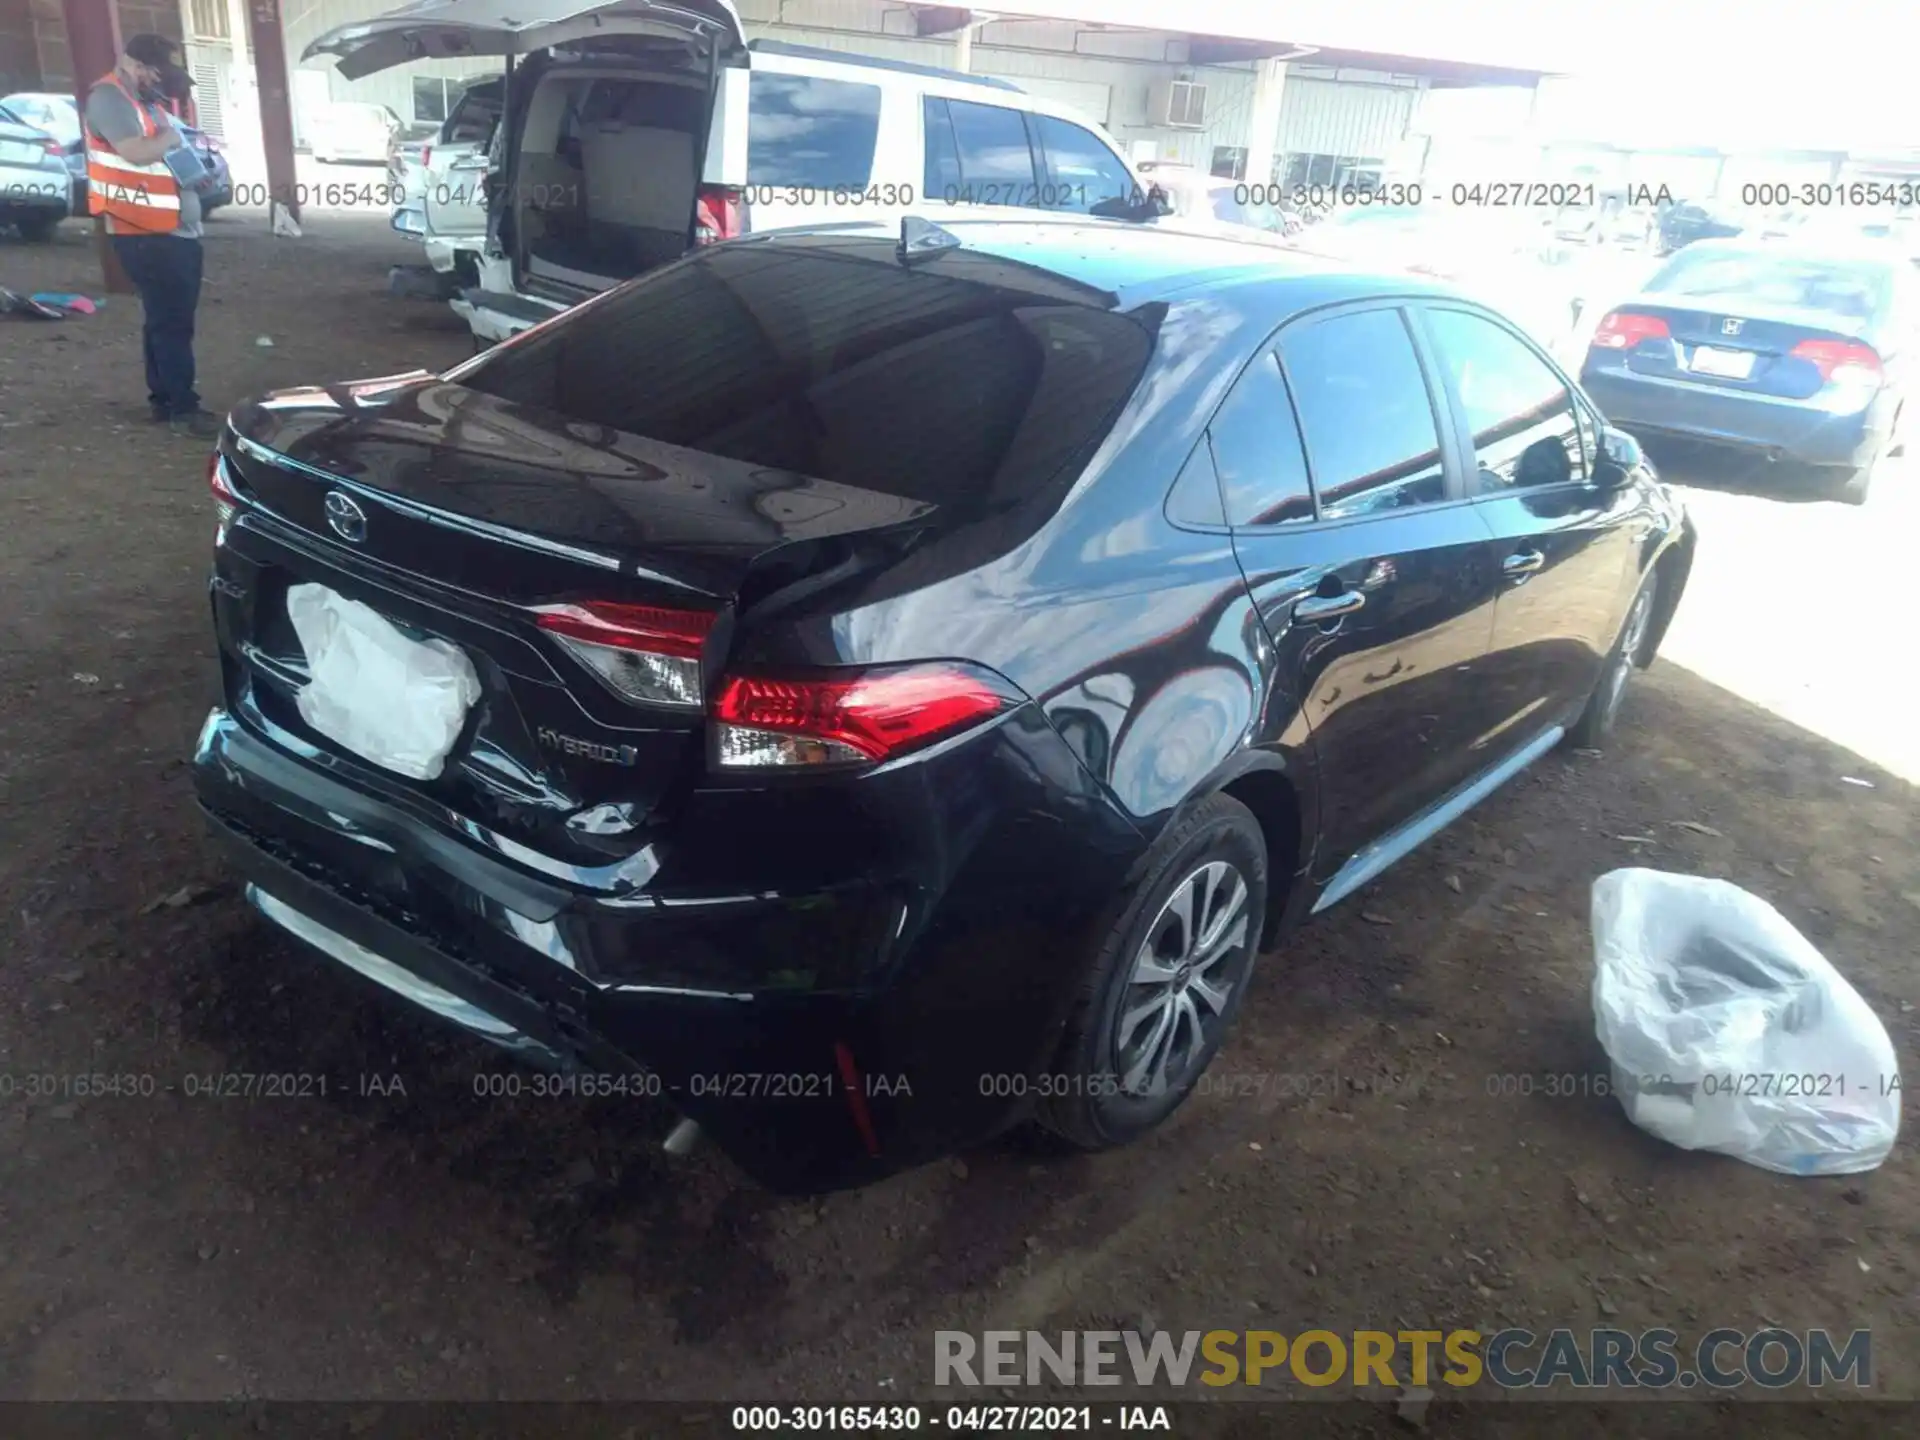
[808, 1079]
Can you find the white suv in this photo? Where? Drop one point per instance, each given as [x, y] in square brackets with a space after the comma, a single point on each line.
[636, 129]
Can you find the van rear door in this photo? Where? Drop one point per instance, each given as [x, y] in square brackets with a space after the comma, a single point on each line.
[465, 29]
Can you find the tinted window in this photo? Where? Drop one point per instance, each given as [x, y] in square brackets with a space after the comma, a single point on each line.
[1520, 412]
[806, 131]
[824, 356]
[996, 163]
[473, 118]
[1081, 172]
[1370, 432]
[1256, 450]
[1725, 278]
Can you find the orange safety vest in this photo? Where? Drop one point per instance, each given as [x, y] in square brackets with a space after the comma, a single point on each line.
[136, 199]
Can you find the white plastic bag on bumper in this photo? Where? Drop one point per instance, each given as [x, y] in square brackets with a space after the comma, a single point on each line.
[1728, 1031]
[399, 702]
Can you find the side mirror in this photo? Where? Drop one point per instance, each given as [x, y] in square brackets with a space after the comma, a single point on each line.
[1620, 456]
[1158, 201]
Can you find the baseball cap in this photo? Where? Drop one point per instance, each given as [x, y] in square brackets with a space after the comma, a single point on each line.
[150, 49]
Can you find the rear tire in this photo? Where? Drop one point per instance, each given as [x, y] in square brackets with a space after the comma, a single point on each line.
[1596, 722]
[1167, 975]
[38, 228]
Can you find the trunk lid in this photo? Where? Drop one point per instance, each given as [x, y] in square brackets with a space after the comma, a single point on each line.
[472, 511]
[464, 29]
[1747, 347]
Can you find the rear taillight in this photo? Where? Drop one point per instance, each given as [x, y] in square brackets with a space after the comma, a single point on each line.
[426, 156]
[645, 652]
[719, 213]
[863, 720]
[1842, 362]
[226, 500]
[1624, 329]
[54, 147]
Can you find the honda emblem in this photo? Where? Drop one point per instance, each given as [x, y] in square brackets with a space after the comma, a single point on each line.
[1731, 326]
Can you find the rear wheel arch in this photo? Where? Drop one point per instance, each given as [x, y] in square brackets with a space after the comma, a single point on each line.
[1270, 792]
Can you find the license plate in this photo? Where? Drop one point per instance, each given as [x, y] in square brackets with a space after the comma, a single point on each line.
[14, 153]
[1727, 364]
[389, 698]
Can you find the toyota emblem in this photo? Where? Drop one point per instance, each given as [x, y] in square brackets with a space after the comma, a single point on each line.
[345, 518]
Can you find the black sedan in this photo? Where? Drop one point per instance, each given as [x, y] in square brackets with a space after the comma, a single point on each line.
[872, 690]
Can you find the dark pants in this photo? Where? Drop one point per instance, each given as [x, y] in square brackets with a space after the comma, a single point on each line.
[165, 269]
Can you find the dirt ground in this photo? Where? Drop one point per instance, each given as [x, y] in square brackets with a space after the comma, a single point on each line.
[1360, 1163]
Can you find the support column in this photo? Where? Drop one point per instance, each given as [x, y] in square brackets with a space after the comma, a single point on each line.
[269, 46]
[963, 49]
[93, 40]
[1263, 127]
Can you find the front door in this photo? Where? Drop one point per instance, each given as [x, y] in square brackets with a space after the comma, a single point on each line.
[1563, 548]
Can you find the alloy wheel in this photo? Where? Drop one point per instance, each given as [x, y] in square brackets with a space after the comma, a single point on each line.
[1631, 641]
[1183, 980]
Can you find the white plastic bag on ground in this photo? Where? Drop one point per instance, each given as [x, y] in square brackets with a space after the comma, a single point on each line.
[1729, 1032]
[399, 702]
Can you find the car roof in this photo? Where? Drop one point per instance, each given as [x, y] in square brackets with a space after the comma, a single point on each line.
[1140, 262]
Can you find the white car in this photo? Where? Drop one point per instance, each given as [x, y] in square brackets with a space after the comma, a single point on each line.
[347, 130]
[452, 195]
[641, 128]
[36, 187]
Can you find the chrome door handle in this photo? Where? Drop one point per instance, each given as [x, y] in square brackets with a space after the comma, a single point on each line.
[1316, 608]
[1525, 563]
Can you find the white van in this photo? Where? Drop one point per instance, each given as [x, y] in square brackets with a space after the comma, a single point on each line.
[636, 129]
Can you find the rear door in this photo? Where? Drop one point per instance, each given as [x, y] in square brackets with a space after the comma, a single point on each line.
[464, 29]
[985, 158]
[1562, 549]
[1366, 560]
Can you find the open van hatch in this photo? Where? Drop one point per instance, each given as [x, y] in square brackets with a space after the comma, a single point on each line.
[464, 29]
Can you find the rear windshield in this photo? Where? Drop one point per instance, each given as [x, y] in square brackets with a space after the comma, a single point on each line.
[1856, 290]
[956, 382]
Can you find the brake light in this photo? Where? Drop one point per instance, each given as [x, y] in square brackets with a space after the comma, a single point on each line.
[226, 500]
[53, 147]
[1624, 329]
[426, 156]
[790, 723]
[647, 653]
[719, 213]
[1842, 362]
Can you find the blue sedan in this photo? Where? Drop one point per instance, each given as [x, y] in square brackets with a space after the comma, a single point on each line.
[1797, 352]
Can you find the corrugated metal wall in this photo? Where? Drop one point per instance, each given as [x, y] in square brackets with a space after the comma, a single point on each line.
[1334, 117]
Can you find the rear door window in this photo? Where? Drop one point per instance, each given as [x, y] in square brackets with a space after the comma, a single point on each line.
[1372, 441]
[1081, 171]
[473, 118]
[1256, 450]
[809, 132]
[994, 155]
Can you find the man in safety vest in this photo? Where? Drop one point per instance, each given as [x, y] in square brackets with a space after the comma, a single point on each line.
[153, 221]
